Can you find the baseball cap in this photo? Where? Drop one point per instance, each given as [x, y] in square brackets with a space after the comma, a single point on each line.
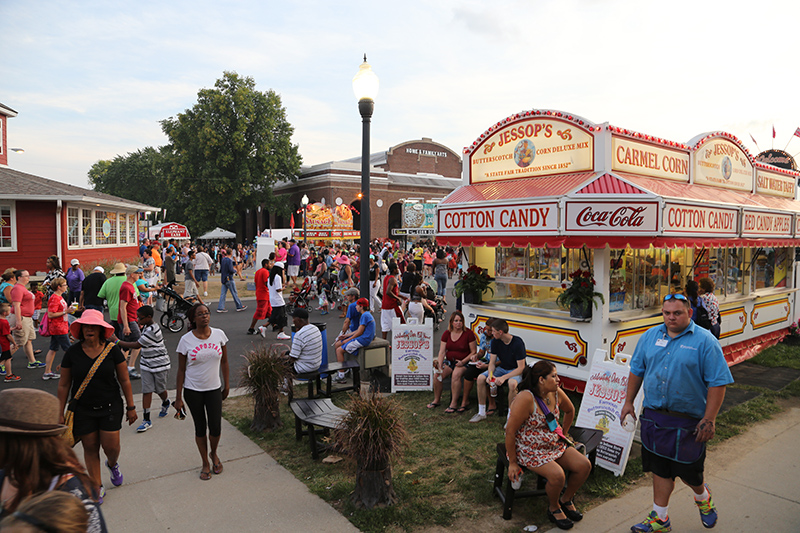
[363, 303]
[352, 291]
[133, 269]
[300, 313]
[98, 268]
[74, 262]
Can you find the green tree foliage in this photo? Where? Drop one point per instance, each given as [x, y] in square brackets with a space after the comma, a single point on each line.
[227, 151]
[137, 176]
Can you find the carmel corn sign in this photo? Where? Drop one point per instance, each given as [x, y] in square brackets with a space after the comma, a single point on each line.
[532, 147]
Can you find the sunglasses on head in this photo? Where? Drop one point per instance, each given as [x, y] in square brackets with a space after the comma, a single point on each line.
[674, 297]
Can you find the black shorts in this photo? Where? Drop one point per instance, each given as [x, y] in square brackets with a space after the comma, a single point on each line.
[90, 420]
[669, 469]
[472, 372]
[5, 356]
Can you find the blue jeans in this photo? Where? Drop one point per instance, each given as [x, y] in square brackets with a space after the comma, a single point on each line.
[229, 285]
[441, 284]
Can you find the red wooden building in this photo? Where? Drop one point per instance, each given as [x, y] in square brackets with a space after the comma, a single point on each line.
[40, 217]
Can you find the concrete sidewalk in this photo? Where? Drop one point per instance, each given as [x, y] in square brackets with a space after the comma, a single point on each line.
[754, 479]
[162, 490]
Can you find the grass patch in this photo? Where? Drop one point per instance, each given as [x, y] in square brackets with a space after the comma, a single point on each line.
[443, 476]
[780, 354]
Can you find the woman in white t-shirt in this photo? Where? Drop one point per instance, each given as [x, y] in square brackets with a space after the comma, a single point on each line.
[201, 355]
[278, 316]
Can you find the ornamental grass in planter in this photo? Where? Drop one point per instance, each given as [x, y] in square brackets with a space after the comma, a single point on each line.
[372, 434]
[267, 372]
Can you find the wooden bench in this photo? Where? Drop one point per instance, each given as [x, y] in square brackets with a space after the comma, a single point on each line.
[315, 412]
[588, 437]
[330, 369]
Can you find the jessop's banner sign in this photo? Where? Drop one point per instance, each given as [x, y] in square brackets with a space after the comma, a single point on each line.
[649, 160]
[721, 163]
[514, 219]
[624, 218]
[532, 147]
[700, 220]
[774, 184]
[758, 223]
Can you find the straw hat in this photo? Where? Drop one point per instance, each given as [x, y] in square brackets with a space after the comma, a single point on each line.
[91, 317]
[29, 412]
[119, 268]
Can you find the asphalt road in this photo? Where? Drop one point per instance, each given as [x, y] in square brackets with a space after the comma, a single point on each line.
[233, 323]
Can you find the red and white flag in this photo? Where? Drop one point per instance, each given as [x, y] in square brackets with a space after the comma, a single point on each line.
[773, 131]
[754, 139]
[797, 132]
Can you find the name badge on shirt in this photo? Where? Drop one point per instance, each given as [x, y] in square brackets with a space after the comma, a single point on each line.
[661, 343]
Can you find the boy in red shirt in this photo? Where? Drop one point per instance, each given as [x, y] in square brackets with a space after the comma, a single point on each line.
[37, 302]
[128, 305]
[6, 344]
[263, 308]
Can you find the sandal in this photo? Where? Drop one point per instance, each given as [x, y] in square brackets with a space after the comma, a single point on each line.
[463, 409]
[433, 405]
[218, 468]
[205, 476]
[449, 411]
[490, 412]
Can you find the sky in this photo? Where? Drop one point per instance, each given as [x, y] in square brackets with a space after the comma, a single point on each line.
[92, 79]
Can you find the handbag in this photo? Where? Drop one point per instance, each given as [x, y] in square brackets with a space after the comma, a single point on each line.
[44, 325]
[69, 416]
[672, 437]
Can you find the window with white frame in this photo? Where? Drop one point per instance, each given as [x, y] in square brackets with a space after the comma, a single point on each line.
[123, 234]
[86, 225]
[8, 227]
[88, 228]
[73, 226]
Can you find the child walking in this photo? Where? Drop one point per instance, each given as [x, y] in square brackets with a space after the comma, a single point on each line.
[154, 363]
[6, 345]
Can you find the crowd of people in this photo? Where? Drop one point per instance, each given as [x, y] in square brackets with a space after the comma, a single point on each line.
[99, 360]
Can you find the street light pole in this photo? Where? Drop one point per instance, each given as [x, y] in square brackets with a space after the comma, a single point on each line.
[304, 203]
[365, 87]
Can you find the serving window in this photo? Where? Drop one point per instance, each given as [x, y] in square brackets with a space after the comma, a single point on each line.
[532, 277]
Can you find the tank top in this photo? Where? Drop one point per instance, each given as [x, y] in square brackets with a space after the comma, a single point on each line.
[387, 302]
[2, 290]
[440, 269]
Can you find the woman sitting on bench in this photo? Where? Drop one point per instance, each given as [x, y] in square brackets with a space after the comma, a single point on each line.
[536, 441]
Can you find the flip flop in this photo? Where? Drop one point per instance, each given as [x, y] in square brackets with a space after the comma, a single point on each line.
[218, 468]
[462, 409]
[449, 410]
[491, 411]
[37, 352]
[433, 405]
[205, 476]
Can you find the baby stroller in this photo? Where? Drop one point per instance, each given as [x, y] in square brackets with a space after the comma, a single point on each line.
[176, 307]
[299, 298]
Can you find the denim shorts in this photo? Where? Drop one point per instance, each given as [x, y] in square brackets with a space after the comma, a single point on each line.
[201, 275]
[59, 341]
[499, 372]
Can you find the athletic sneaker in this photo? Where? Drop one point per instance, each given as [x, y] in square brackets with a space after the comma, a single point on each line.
[708, 513]
[50, 375]
[283, 336]
[2, 370]
[242, 308]
[652, 524]
[340, 378]
[205, 294]
[36, 364]
[10, 378]
[134, 374]
[116, 475]
[262, 331]
[146, 424]
[251, 331]
[222, 310]
[164, 410]
[101, 495]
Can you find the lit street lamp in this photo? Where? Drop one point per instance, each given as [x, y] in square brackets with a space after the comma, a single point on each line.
[304, 203]
[365, 87]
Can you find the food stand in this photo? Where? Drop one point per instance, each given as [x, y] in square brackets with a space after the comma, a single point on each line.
[544, 190]
[323, 223]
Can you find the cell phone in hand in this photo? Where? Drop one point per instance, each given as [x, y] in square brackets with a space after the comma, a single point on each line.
[181, 414]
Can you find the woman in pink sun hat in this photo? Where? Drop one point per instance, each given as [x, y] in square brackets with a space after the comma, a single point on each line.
[99, 409]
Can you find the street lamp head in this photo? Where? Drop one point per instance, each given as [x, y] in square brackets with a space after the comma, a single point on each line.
[360, 195]
[365, 82]
[304, 200]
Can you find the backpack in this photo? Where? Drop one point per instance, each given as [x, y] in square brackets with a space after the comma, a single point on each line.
[343, 273]
[44, 325]
[701, 316]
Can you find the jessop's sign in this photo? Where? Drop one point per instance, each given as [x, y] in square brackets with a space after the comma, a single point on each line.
[757, 223]
[532, 147]
[648, 160]
[697, 220]
[512, 219]
[774, 184]
[721, 163]
[625, 218]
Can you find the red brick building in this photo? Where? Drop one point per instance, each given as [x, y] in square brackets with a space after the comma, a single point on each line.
[40, 217]
[421, 170]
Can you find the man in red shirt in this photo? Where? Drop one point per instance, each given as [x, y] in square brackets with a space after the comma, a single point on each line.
[391, 301]
[24, 332]
[128, 306]
[263, 308]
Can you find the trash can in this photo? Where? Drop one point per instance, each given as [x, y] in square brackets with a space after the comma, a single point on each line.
[322, 327]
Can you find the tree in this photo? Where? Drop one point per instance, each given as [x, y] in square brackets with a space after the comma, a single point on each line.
[137, 176]
[227, 151]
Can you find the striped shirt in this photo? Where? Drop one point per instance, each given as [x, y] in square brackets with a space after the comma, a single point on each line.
[307, 349]
[154, 357]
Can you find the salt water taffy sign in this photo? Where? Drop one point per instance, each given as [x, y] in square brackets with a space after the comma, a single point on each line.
[603, 399]
[412, 356]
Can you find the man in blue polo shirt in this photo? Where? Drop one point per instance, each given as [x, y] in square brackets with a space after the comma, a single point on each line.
[684, 375]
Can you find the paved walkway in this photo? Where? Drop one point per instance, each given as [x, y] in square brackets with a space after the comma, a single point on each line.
[163, 492]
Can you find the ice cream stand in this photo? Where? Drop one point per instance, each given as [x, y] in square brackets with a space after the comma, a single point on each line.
[545, 191]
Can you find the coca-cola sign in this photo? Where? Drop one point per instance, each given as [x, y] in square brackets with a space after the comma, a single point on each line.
[624, 218]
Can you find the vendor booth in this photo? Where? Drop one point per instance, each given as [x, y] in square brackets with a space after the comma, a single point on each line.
[168, 230]
[217, 234]
[326, 223]
[546, 193]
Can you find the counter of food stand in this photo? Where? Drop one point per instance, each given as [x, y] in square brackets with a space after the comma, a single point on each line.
[546, 191]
